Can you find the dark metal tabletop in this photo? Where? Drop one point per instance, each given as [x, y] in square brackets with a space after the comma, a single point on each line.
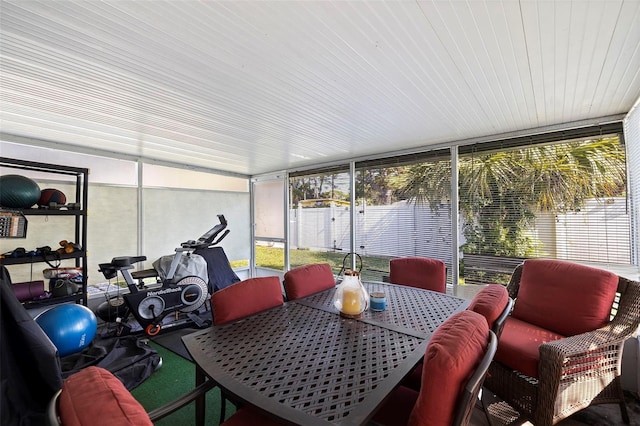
[409, 310]
[306, 364]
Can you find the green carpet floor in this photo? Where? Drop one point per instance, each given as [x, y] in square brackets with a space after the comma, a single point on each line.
[174, 378]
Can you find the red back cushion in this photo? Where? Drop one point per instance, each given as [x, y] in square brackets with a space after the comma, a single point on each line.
[421, 272]
[245, 298]
[490, 302]
[308, 279]
[564, 297]
[452, 356]
[94, 394]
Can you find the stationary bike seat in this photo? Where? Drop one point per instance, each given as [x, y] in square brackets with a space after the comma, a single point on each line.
[127, 260]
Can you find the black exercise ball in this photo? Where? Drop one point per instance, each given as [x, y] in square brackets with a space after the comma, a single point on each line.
[111, 309]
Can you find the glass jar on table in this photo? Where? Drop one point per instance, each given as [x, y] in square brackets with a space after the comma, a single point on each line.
[351, 298]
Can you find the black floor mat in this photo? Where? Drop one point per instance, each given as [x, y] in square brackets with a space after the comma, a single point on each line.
[172, 340]
[171, 337]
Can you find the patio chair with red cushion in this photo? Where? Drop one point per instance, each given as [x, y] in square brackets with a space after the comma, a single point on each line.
[305, 280]
[31, 372]
[421, 272]
[494, 304]
[94, 396]
[454, 367]
[245, 298]
[560, 350]
[241, 300]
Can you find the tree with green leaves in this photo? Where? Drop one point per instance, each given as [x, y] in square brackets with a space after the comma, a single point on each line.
[501, 192]
[377, 186]
[313, 187]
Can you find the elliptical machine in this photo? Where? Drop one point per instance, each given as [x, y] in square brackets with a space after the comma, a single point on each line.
[150, 306]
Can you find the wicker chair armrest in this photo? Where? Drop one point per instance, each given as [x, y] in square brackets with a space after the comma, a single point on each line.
[586, 351]
[514, 282]
[595, 354]
[580, 345]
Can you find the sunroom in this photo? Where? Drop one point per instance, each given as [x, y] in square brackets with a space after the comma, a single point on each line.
[350, 133]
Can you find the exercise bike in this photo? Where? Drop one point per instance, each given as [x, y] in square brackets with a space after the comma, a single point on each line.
[185, 295]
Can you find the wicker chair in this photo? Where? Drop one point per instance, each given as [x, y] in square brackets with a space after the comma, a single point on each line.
[573, 372]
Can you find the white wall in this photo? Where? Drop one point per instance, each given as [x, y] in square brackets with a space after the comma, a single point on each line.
[172, 216]
[169, 216]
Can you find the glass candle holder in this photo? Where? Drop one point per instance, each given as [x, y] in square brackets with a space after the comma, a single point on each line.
[351, 298]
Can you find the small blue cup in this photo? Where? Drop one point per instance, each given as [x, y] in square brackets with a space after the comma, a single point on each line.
[378, 301]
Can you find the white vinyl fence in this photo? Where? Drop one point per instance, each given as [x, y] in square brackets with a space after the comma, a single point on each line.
[405, 229]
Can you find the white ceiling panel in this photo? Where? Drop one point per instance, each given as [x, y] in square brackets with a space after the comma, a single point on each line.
[252, 87]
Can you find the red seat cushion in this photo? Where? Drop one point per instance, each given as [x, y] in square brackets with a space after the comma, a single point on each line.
[308, 279]
[564, 297]
[421, 272]
[490, 302]
[519, 343]
[453, 354]
[94, 393]
[245, 298]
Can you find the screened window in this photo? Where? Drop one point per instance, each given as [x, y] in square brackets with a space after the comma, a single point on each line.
[403, 209]
[319, 216]
[632, 136]
[554, 197]
[268, 217]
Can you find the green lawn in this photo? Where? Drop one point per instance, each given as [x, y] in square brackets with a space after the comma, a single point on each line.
[374, 267]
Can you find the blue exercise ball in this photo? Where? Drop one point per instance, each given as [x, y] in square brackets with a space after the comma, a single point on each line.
[18, 191]
[70, 327]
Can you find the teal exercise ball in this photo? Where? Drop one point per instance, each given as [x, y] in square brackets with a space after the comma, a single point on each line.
[70, 327]
[18, 191]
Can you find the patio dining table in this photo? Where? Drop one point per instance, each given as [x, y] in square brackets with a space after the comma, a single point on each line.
[305, 364]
